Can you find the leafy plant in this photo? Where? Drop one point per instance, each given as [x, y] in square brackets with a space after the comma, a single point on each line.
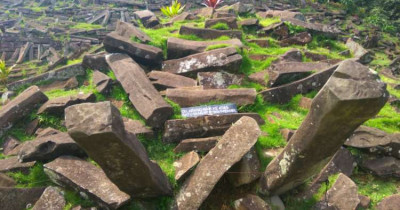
[4, 71]
[212, 3]
[175, 9]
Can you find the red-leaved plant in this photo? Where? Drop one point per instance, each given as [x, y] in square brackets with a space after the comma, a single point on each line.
[212, 3]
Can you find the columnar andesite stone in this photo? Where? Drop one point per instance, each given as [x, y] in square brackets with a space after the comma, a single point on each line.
[246, 170]
[206, 33]
[178, 48]
[142, 53]
[57, 105]
[234, 144]
[128, 30]
[20, 107]
[199, 127]
[98, 128]
[184, 164]
[18, 198]
[163, 80]
[220, 59]
[52, 198]
[189, 97]
[199, 144]
[144, 97]
[87, 179]
[351, 96]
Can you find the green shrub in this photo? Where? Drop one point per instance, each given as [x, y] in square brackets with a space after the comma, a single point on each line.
[175, 9]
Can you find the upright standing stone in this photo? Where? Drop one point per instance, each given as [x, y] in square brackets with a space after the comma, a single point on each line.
[351, 96]
[98, 128]
[234, 144]
[20, 107]
[144, 97]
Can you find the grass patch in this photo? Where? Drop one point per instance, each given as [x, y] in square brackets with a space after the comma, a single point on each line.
[387, 120]
[217, 46]
[35, 178]
[86, 26]
[220, 26]
[76, 61]
[269, 21]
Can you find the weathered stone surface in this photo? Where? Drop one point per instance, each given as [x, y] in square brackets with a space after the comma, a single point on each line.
[278, 30]
[179, 48]
[283, 73]
[12, 164]
[199, 145]
[389, 203]
[71, 83]
[375, 141]
[52, 199]
[315, 57]
[326, 30]
[338, 109]
[246, 170]
[95, 62]
[20, 107]
[184, 164]
[252, 22]
[293, 55]
[282, 14]
[57, 105]
[343, 194]
[23, 52]
[364, 202]
[218, 80]
[163, 80]
[9, 144]
[251, 202]
[342, 162]
[220, 59]
[103, 82]
[234, 144]
[118, 152]
[48, 148]
[46, 132]
[260, 42]
[385, 166]
[284, 93]
[177, 130]
[231, 22]
[287, 133]
[188, 97]
[302, 38]
[364, 56]
[144, 97]
[87, 179]
[136, 127]
[147, 17]
[128, 30]
[206, 12]
[18, 198]
[183, 16]
[206, 33]
[6, 181]
[142, 53]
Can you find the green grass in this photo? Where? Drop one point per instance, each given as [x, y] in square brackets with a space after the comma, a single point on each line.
[86, 26]
[216, 46]
[387, 120]
[220, 26]
[35, 178]
[76, 61]
[374, 187]
[381, 60]
[269, 21]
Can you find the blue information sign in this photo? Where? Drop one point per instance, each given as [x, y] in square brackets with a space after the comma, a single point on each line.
[209, 110]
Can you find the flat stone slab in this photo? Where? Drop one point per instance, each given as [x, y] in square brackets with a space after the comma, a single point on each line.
[206, 33]
[57, 105]
[389, 203]
[86, 178]
[10, 144]
[128, 30]
[179, 48]
[20, 107]
[326, 30]
[177, 130]
[12, 164]
[234, 144]
[142, 53]
[49, 147]
[52, 198]
[143, 95]
[19, 198]
[199, 144]
[375, 141]
[163, 80]
[218, 80]
[184, 164]
[136, 127]
[189, 97]
[226, 59]
[352, 95]
[118, 152]
[283, 94]
[384, 167]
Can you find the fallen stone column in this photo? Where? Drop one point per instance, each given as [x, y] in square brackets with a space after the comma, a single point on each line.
[99, 129]
[351, 96]
[234, 144]
[143, 95]
[20, 107]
